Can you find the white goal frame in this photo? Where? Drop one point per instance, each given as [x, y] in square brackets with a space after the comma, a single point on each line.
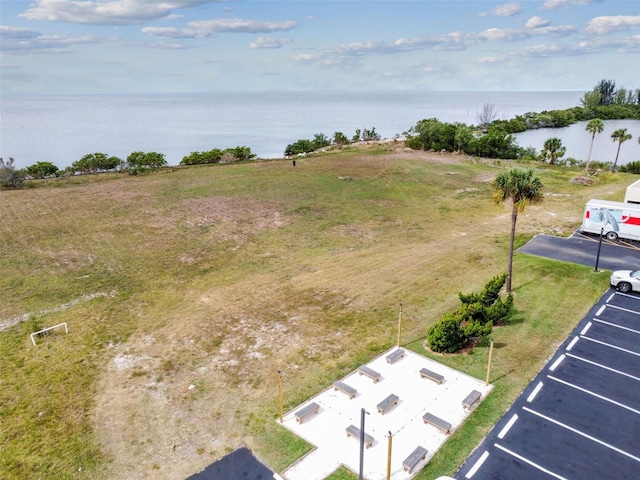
[44, 330]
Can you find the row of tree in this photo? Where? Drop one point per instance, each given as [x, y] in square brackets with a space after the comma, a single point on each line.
[606, 93]
[216, 155]
[136, 162]
[432, 134]
[320, 140]
[553, 149]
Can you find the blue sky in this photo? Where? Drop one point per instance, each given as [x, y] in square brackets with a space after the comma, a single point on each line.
[135, 46]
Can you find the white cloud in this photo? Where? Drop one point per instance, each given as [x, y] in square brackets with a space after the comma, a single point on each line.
[107, 12]
[536, 22]
[492, 59]
[170, 46]
[269, 42]
[48, 43]
[208, 28]
[17, 33]
[553, 4]
[172, 32]
[238, 25]
[503, 34]
[505, 10]
[508, 34]
[603, 25]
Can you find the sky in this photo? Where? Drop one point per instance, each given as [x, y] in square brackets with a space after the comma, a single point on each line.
[171, 46]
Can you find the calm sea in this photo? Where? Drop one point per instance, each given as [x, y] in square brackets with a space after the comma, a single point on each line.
[61, 129]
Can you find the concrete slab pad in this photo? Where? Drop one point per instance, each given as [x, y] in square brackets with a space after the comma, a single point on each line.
[326, 430]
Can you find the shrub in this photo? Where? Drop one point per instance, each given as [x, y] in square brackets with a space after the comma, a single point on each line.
[446, 336]
[474, 319]
[9, 176]
[633, 167]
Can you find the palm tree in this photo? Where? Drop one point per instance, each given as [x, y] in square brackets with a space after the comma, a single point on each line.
[593, 126]
[553, 150]
[619, 136]
[523, 188]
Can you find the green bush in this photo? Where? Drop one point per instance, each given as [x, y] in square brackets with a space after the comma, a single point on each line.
[473, 319]
[633, 167]
[446, 336]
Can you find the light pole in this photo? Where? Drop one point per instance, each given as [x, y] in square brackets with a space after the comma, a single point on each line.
[389, 456]
[400, 324]
[599, 247]
[363, 412]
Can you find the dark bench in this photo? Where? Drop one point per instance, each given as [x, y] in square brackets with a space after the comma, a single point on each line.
[395, 355]
[471, 399]
[344, 388]
[436, 377]
[307, 411]
[387, 403]
[412, 460]
[353, 431]
[437, 422]
[372, 374]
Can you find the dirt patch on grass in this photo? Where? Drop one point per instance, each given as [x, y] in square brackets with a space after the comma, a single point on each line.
[174, 401]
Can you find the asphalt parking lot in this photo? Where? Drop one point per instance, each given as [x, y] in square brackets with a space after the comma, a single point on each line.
[583, 249]
[580, 416]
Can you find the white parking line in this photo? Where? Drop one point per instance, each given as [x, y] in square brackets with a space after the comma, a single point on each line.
[635, 312]
[619, 372]
[599, 312]
[616, 326]
[586, 328]
[594, 394]
[477, 465]
[611, 297]
[557, 362]
[612, 346]
[508, 426]
[529, 462]
[534, 393]
[582, 434]
[573, 342]
[626, 295]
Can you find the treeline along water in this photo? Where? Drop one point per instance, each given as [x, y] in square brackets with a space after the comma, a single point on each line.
[61, 129]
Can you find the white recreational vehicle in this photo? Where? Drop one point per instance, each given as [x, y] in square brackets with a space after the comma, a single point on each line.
[632, 195]
[614, 219]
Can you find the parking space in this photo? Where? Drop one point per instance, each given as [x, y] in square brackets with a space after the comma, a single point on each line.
[580, 417]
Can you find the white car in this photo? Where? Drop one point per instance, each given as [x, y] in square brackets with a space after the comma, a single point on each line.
[626, 280]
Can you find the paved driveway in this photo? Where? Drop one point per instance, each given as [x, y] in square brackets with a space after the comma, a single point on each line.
[580, 417]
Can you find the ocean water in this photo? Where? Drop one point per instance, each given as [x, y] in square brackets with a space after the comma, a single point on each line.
[577, 141]
[61, 129]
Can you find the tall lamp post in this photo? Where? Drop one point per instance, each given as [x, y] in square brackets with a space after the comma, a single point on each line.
[363, 412]
[400, 324]
[280, 394]
[599, 247]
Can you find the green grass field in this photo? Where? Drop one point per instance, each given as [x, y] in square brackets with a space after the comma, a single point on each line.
[185, 291]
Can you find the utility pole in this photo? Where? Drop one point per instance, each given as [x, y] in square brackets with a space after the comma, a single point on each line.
[489, 365]
[363, 412]
[389, 457]
[280, 394]
[400, 324]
